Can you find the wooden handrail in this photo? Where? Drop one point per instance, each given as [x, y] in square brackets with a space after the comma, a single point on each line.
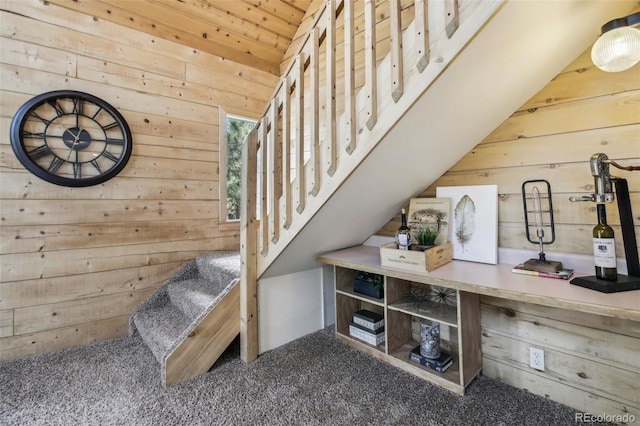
[293, 139]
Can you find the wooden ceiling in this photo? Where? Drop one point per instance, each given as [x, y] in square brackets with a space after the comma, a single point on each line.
[256, 33]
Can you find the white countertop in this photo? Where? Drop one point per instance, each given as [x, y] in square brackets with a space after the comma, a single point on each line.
[498, 281]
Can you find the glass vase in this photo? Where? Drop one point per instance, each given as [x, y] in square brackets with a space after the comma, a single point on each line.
[430, 339]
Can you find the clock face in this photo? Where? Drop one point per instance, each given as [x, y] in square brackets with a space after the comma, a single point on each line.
[71, 138]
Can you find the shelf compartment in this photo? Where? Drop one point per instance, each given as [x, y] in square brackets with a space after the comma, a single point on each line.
[346, 305]
[401, 340]
[344, 286]
[428, 310]
[399, 299]
[343, 333]
[452, 375]
[361, 297]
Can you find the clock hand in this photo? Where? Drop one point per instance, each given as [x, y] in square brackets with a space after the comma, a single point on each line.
[76, 139]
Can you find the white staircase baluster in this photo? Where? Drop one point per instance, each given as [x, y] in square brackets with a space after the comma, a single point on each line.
[275, 148]
[451, 17]
[286, 153]
[314, 76]
[371, 80]
[422, 34]
[349, 77]
[330, 139]
[300, 175]
[396, 51]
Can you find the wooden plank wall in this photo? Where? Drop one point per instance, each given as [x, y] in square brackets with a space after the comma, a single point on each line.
[591, 361]
[76, 261]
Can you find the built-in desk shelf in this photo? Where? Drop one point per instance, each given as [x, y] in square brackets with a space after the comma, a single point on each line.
[460, 325]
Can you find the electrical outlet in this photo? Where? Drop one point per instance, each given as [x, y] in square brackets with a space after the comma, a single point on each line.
[536, 358]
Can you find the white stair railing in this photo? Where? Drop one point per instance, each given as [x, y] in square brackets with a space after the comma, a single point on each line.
[361, 66]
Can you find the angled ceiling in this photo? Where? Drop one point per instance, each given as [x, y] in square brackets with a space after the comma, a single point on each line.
[255, 33]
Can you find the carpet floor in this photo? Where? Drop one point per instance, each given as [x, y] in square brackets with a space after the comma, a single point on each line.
[315, 380]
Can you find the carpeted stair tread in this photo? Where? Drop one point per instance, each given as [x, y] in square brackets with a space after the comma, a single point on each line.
[160, 327]
[192, 296]
[175, 309]
[221, 267]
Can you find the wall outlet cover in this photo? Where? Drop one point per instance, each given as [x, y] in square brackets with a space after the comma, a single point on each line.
[536, 359]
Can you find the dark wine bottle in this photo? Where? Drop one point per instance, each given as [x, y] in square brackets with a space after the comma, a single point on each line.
[403, 235]
[604, 248]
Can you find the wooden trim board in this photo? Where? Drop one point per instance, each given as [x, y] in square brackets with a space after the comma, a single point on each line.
[197, 353]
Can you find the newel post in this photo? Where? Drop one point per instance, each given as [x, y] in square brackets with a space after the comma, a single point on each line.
[249, 251]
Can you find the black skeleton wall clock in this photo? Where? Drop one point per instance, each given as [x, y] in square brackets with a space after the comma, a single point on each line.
[70, 138]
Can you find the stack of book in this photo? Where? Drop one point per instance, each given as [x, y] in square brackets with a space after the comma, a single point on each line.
[438, 364]
[367, 326]
[564, 274]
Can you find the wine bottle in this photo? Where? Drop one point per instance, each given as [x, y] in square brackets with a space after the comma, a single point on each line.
[604, 248]
[403, 235]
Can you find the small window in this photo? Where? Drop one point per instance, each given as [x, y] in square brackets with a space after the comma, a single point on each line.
[231, 140]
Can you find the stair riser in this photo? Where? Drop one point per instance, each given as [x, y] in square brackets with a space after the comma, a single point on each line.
[160, 328]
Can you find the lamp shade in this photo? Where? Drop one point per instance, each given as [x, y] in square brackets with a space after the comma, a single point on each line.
[617, 50]
[618, 47]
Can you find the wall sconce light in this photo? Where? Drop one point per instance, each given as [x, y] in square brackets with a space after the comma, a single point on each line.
[618, 47]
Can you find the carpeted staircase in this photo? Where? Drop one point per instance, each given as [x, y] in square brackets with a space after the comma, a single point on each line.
[189, 321]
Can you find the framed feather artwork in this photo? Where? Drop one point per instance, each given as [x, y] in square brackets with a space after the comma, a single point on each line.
[473, 228]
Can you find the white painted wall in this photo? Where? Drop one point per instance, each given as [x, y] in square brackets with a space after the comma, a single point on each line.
[329, 296]
[290, 306]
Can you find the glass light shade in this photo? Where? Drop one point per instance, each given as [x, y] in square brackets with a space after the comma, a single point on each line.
[617, 49]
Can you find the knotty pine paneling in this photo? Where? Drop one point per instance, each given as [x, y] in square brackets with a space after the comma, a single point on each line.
[33, 319]
[74, 262]
[581, 80]
[64, 237]
[6, 323]
[119, 188]
[69, 212]
[60, 263]
[45, 291]
[619, 109]
[57, 339]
